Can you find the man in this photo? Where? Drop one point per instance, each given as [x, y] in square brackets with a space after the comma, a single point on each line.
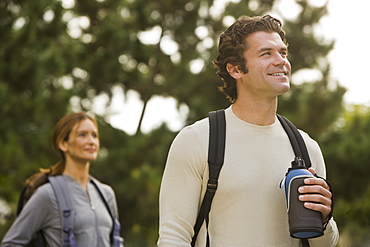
[248, 208]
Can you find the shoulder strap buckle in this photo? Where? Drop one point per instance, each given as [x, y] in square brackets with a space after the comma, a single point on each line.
[212, 185]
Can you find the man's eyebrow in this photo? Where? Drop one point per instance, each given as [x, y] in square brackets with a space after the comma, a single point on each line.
[264, 49]
[284, 48]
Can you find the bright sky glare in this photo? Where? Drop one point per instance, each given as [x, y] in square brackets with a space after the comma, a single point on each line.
[347, 24]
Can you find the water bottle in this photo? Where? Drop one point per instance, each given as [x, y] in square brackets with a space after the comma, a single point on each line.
[303, 222]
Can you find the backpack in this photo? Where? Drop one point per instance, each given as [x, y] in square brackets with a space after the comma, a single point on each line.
[58, 183]
[216, 151]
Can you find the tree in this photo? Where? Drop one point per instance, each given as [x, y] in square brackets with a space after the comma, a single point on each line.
[32, 95]
[346, 147]
[312, 106]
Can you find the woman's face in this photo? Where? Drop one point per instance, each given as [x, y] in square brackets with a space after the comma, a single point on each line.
[83, 143]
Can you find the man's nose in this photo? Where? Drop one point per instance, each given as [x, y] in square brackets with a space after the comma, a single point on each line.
[280, 60]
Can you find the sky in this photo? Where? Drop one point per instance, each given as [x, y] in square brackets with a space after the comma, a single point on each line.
[345, 23]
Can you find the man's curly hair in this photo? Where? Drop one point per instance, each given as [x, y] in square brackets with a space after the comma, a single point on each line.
[232, 46]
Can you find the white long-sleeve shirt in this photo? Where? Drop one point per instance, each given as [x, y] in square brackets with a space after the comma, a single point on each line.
[248, 209]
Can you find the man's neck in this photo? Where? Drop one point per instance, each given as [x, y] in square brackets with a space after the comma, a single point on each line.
[256, 112]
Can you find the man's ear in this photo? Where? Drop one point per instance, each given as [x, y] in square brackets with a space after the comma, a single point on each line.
[63, 146]
[233, 70]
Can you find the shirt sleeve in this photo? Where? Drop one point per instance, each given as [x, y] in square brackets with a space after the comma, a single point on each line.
[330, 237]
[33, 218]
[181, 189]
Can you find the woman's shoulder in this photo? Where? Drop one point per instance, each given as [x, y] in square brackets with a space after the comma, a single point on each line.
[43, 197]
[44, 190]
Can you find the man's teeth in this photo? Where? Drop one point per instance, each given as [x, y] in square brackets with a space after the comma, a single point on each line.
[276, 74]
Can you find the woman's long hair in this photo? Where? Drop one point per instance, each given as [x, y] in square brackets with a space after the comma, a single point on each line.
[60, 133]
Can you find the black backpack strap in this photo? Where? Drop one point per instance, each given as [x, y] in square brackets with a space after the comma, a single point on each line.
[305, 242]
[60, 188]
[21, 201]
[296, 139]
[299, 148]
[216, 152]
[116, 228]
[216, 156]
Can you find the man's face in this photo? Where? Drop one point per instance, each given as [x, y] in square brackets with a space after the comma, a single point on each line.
[267, 65]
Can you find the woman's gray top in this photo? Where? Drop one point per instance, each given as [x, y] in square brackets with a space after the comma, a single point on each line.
[92, 222]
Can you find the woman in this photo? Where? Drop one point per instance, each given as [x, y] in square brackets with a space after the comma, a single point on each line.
[76, 139]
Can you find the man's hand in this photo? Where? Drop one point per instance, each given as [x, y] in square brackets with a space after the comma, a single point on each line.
[319, 197]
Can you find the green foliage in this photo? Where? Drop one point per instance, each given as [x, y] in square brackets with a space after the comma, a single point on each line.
[56, 58]
[354, 217]
[348, 145]
[346, 149]
[308, 51]
[133, 165]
